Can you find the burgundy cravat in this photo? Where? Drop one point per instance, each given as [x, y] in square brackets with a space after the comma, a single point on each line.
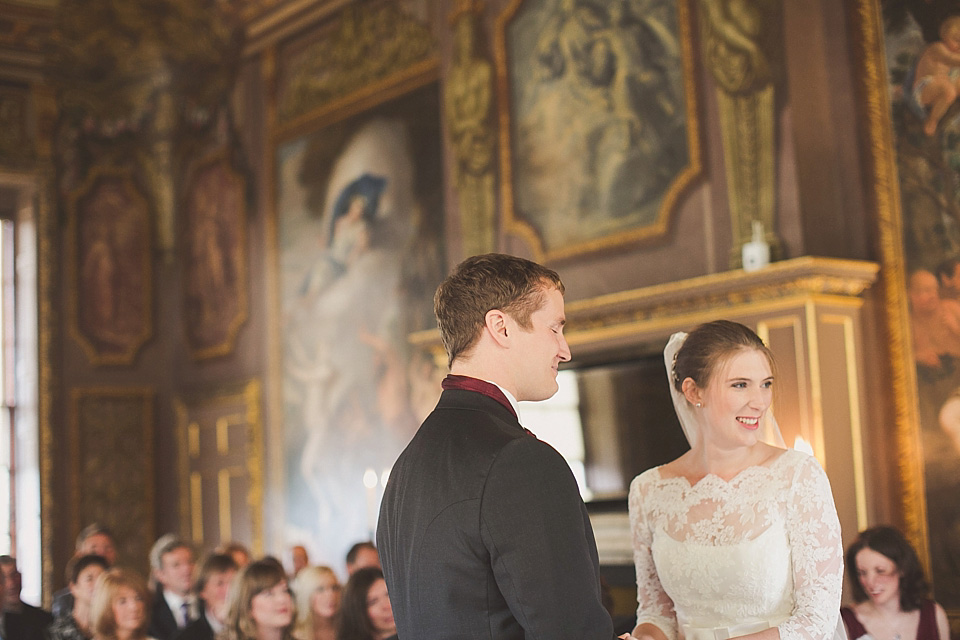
[465, 383]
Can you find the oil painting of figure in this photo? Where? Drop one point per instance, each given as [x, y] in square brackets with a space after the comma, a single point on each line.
[598, 126]
[113, 287]
[360, 232]
[216, 276]
[923, 61]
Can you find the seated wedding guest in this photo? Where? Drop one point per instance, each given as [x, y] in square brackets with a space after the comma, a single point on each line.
[119, 607]
[21, 620]
[94, 539]
[237, 551]
[261, 605]
[366, 613]
[3, 623]
[890, 590]
[82, 575]
[174, 604]
[317, 592]
[362, 555]
[214, 580]
[299, 559]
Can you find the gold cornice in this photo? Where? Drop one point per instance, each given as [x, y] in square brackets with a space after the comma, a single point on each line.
[26, 29]
[393, 86]
[366, 43]
[265, 27]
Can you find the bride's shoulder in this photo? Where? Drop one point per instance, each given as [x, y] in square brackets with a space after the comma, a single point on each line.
[646, 478]
[654, 476]
[797, 459]
[800, 466]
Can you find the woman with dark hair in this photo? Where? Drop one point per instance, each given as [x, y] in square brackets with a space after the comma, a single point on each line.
[890, 590]
[261, 604]
[82, 575]
[366, 613]
[738, 537]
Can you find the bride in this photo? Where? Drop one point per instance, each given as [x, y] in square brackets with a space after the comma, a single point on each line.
[737, 537]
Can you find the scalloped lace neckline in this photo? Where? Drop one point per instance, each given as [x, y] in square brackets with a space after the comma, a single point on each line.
[714, 479]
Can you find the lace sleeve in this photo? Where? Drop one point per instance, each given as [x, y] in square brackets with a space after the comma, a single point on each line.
[654, 606]
[817, 555]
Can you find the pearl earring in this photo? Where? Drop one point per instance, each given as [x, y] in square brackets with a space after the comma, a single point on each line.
[699, 404]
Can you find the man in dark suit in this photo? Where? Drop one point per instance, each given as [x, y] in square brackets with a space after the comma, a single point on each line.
[216, 574]
[174, 605]
[482, 530]
[21, 620]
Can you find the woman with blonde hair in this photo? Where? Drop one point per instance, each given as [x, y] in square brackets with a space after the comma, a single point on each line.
[261, 605]
[317, 592]
[118, 610]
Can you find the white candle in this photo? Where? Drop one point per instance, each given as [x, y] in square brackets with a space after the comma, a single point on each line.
[370, 482]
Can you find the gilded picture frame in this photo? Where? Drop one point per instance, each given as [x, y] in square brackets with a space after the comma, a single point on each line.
[923, 448]
[577, 129]
[335, 281]
[111, 445]
[110, 288]
[215, 246]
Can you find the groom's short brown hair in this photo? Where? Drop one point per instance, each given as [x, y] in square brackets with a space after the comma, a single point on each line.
[485, 282]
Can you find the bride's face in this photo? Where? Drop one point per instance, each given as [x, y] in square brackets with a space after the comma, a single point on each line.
[737, 396]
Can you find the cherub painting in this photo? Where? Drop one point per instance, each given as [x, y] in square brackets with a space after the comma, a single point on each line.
[922, 40]
[937, 81]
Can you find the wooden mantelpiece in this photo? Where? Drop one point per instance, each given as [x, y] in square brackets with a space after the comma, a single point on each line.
[680, 305]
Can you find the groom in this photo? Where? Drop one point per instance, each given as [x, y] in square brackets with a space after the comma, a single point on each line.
[482, 530]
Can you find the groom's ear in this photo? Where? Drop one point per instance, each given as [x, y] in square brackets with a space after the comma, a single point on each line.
[495, 323]
[691, 391]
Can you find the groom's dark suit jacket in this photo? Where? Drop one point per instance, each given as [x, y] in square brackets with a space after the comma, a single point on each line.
[483, 534]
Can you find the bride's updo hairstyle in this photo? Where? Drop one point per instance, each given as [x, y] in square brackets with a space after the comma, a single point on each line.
[708, 346]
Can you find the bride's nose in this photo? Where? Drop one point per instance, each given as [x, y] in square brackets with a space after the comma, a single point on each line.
[759, 399]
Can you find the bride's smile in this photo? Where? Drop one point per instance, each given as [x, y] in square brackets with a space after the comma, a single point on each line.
[736, 398]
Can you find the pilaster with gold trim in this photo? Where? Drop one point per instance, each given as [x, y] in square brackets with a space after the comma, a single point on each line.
[220, 440]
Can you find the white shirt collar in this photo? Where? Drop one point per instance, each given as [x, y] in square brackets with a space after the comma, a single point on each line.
[510, 398]
[215, 624]
[175, 602]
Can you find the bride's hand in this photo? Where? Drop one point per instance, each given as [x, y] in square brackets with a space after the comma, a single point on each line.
[627, 636]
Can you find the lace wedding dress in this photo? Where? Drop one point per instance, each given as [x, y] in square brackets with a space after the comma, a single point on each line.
[722, 559]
